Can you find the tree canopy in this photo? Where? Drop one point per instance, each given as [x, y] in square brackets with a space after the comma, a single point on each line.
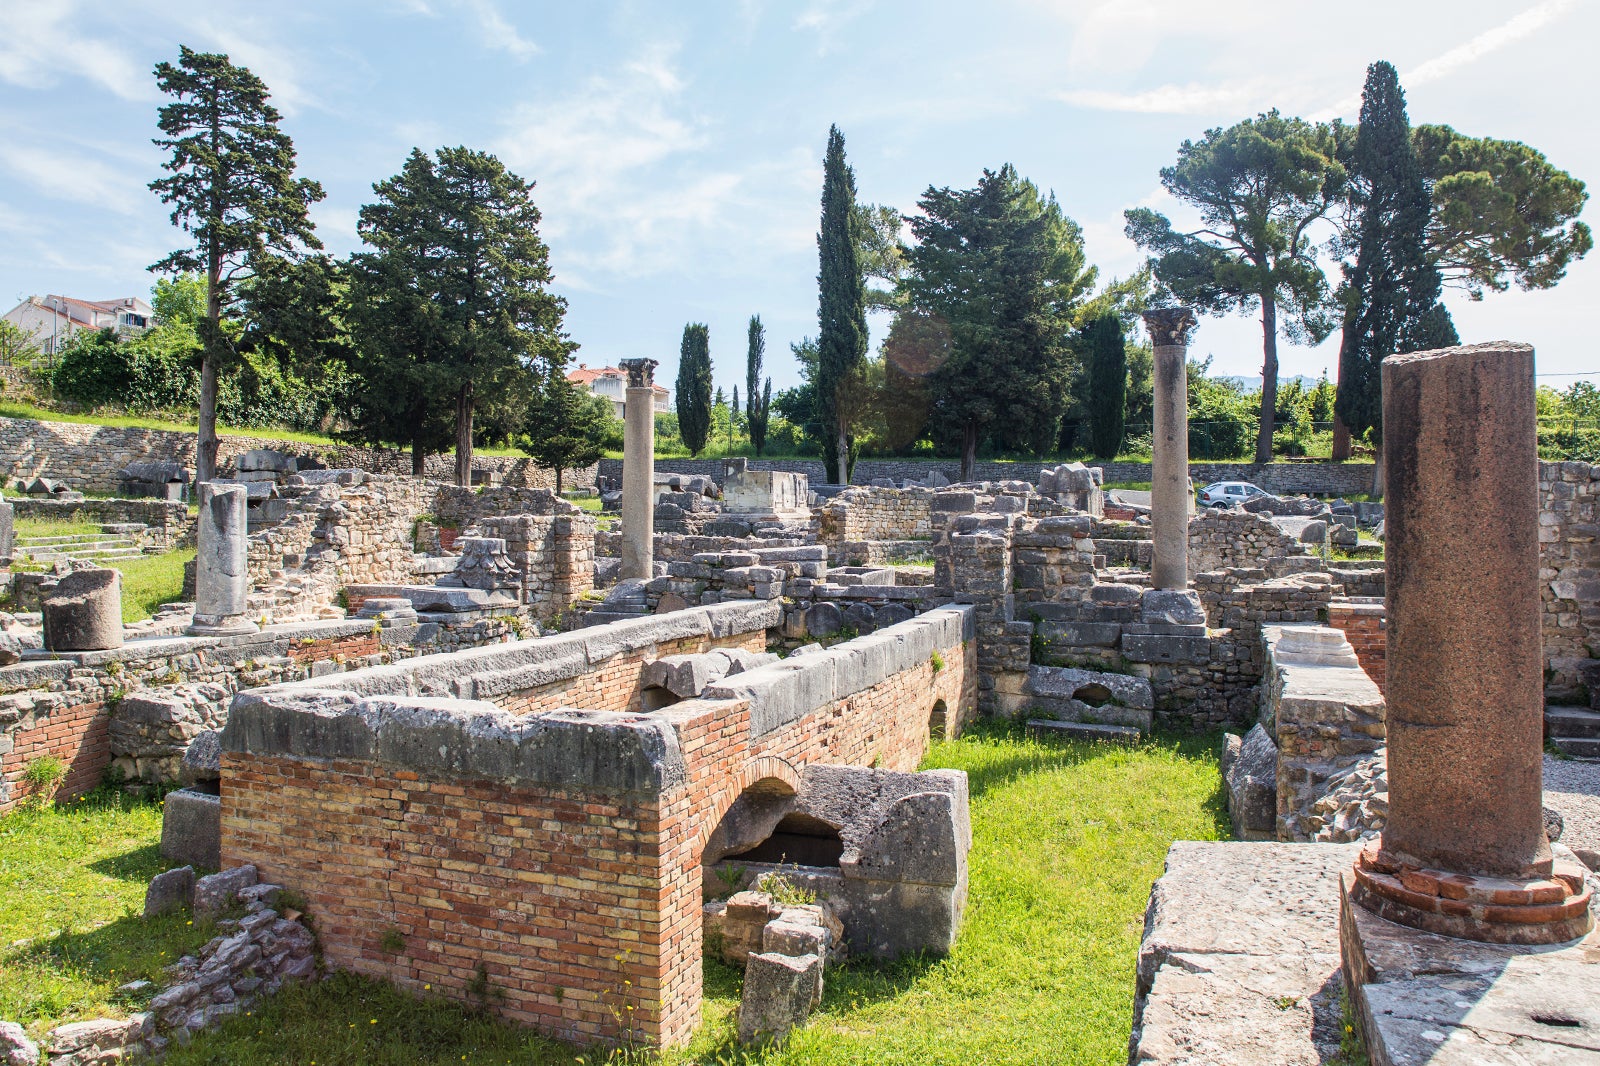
[758, 399]
[568, 427]
[459, 307]
[1106, 351]
[232, 188]
[693, 387]
[1391, 293]
[1002, 270]
[1261, 187]
[1501, 212]
[841, 308]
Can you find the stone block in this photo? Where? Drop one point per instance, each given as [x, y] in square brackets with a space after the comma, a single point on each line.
[15, 1047]
[191, 828]
[215, 894]
[1252, 780]
[1171, 607]
[169, 891]
[779, 993]
[202, 759]
[1165, 649]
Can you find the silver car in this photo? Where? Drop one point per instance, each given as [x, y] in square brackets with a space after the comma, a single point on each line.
[1229, 493]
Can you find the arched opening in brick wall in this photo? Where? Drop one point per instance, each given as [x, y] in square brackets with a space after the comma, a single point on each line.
[939, 721]
[797, 840]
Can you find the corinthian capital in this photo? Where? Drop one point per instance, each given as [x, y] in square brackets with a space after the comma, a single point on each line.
[1169, 325]
[641, 372]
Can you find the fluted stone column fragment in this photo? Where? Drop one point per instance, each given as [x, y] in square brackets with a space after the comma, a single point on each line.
[222, 562]
[638, 471]
[1170, 495]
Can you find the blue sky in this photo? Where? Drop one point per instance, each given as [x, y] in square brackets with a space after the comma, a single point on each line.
[677, 146]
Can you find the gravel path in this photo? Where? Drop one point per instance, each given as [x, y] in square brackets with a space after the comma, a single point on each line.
[1573, 788]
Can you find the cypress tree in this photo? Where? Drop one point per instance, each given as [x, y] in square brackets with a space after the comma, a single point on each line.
[1108, 384]
[694, 386]
[758, 404]
[841, 308]
[1391, 295]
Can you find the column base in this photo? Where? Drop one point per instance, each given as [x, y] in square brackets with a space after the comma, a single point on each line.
[1493, 910]
[221, 626]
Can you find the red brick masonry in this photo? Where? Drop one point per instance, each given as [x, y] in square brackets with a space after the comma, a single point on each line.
[552, 856]
[1365, 628]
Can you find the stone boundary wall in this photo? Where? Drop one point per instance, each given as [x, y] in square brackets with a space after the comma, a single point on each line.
[1222, 538]
[1569, 571]
[89, 457]
[1328, 479]
[66, 706]
[557, 854]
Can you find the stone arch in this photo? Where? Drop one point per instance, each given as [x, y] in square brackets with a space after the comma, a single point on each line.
[939, 721]
[764, 790]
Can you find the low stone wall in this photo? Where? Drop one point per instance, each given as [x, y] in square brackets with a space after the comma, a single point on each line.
[68, 705]
[554, 856]
[1569, 571]
[1325, 479]
[169, 522]
[90, 457]
[1325, 715]
[1220, 539]
[873, 513]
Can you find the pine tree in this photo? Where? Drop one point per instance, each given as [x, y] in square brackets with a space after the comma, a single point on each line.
[758, 404]
[1002, 269]
[694, 386]
[1391, 294]
[1108, 383]
[232, 188]
[841, 309]
[459, 274]
[568, 427]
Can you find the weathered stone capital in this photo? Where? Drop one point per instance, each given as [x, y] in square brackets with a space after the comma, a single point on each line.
[641, 372]
[1169, 325]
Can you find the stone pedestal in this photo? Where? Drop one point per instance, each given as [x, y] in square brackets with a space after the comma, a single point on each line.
[1170, 494]
[84, 612]
[1464, 851]
[222, 562]
[7, 533]
[638, 471]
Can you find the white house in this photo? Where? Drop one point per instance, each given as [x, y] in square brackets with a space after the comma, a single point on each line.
[52, 320]
[612, 383]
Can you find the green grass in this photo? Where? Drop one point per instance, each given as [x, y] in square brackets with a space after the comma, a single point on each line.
[1131, 486]
[1066, 843]
[150, 581]
[147, 581]
[73, 879]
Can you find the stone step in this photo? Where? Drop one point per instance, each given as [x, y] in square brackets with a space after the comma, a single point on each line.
[1577, 747]
[74, 541]
[1047, 729]
[1571, 722]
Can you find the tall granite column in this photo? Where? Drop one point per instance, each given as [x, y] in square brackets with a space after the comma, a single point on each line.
[222, 562]
[1170, 494]
[638, 471]
[1464, 850]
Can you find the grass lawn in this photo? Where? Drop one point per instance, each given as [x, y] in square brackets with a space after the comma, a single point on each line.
[1067, 839]
[147, 582]
[73, 880]
[150, 581]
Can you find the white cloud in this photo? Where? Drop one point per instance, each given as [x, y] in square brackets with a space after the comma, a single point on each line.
[497, 32]
[76, 178]
[40, 42]
[1193, 99]
[1464, 55]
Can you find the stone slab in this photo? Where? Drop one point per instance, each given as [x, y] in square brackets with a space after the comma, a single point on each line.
[1260, 922]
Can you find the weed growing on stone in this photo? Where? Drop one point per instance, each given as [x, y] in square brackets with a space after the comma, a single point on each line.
[784, 891]
[936, 661]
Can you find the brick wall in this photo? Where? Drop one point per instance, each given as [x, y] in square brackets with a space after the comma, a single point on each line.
[63, 706]
[77, 735]
[1364, 625]
[570, 882]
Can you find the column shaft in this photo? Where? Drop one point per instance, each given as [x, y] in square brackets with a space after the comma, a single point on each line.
[638, 480]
